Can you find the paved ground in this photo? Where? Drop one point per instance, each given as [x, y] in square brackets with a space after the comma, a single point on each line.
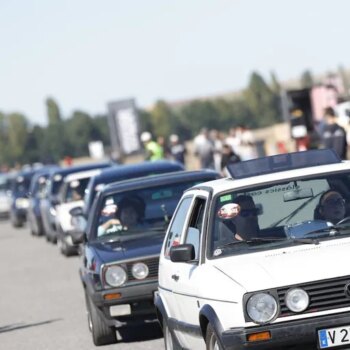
[41, 303]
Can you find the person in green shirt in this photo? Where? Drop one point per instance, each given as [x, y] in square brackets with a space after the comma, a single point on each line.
[153, 150]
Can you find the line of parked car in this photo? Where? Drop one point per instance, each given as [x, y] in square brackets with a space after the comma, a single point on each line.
[116, 217]
[258, 260]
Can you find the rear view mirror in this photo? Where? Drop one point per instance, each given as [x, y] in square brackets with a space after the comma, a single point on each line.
[298, 194]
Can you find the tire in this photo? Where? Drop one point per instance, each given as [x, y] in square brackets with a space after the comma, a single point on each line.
[211, 339]
[16, 222]
[102, 334]
[65, 248]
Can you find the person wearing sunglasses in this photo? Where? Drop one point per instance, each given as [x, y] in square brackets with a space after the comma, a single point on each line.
[331, 207]
[241, 224]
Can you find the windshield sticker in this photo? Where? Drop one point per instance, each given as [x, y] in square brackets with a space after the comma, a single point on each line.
[229, 211]
[217, 252]
[226, 198]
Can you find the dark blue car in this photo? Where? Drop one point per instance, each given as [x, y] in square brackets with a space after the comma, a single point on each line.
[36, 190]
[123, 239]
[20, 197]
[107, 176]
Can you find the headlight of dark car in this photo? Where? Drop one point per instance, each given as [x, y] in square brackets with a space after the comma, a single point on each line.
[140, 271]
[115, 275]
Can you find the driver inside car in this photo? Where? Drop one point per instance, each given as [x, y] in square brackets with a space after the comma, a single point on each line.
[331, 207]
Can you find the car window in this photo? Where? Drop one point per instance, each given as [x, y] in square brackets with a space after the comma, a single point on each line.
[194, 230]
[175, 230]
[283, 210]
[143, 211]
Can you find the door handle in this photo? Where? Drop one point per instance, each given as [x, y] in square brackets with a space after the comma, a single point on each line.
[175, 277]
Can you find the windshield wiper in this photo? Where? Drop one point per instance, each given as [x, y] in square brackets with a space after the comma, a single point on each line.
[271, 239]
[253, 240]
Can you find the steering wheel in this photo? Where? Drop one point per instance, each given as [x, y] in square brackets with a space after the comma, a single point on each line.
[342, 221]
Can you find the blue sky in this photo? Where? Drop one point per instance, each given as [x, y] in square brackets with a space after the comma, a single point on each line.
[86, 53]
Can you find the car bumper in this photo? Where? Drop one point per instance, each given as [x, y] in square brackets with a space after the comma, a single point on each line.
[138, 298]
[292, 333]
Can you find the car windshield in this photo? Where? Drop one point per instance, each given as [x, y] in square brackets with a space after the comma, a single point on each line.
[4, 183]
[75, 190]
[300, 211]
[21, 185]
[142, 212]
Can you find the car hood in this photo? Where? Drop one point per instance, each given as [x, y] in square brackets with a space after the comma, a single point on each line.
[129, 249]
[287, 266]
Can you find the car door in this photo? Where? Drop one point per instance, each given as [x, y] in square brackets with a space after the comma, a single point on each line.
[188, 276]
[166, 267]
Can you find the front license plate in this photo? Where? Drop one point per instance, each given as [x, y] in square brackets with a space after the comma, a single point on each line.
[332, 337]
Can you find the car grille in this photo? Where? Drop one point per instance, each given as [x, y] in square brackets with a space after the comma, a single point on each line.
[324, 295]
[152, 265]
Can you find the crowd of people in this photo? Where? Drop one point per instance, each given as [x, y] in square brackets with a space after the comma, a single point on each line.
[214, 149]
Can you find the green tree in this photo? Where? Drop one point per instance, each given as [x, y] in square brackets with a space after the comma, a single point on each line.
[100, 125]
[17, 137]
[307, 80]
[80, 131]
[53, 111]
[55, 143]
[35, 150]
[261, 102]
[162, 119]
[4, 145]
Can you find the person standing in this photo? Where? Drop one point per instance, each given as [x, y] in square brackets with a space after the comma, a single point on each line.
[228, 157]
[177, 149]
[153, 150]
[204, 149]
[333, 135]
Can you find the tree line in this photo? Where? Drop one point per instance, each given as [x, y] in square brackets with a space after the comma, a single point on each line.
[21, 142]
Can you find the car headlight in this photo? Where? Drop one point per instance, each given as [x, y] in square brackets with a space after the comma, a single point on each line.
[262, 308]
[139, 271]
[22, 203]
[115, 276]
[297, 300]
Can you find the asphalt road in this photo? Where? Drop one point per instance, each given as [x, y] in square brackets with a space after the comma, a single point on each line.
[42, 305]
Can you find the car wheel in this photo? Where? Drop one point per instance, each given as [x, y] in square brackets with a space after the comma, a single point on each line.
[65, 248]
[102, 334]
[16, 222]
[211, 339]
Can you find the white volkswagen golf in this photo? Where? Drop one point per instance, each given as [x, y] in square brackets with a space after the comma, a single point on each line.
[260, 260]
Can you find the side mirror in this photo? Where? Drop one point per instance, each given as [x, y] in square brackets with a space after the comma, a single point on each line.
[182, 253]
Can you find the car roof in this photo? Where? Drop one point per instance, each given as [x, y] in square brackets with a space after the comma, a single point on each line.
[82, 175]
[161, 179]
[77, 168]
[226, 184]
[146, 167]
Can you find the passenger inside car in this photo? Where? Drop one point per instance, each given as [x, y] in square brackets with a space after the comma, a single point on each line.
[109, 223]
[131, 211]
[241, 223]
[331, 207]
